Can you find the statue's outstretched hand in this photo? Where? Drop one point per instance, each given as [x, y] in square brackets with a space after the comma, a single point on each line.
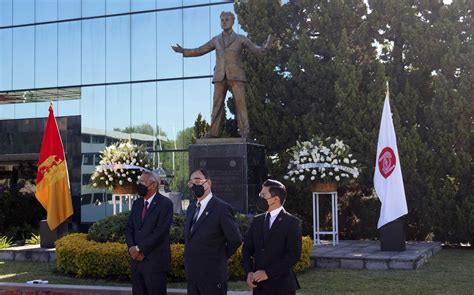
[178, 48]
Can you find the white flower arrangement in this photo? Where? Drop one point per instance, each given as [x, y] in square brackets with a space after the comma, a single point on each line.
[328, 160]
[119, 163]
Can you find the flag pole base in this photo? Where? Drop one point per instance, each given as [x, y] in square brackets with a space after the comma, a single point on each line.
[393, 236]
[48, 237]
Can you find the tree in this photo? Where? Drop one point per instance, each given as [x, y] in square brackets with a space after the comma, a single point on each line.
[325, 77]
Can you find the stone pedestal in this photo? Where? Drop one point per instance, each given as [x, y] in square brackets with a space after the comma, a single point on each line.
[48, 237]
[392, 236]
[236, 167]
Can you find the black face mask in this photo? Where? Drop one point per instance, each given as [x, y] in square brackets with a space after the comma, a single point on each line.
[198, 190]
[142, 190]
[262, 204]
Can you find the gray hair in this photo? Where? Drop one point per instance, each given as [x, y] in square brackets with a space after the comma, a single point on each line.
[153, 176]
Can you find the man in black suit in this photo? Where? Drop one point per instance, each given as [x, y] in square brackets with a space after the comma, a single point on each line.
[272, 245]
[211, 237]
[148, 237]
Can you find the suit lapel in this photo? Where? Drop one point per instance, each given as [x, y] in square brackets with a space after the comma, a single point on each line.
[276, 224]
[138, 214]
[190, 214]
[230, 40]
[204, 215]
[152, 206]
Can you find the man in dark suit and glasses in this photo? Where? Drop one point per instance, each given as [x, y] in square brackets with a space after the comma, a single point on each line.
[272, 245]
[148, 237]
[211, 237]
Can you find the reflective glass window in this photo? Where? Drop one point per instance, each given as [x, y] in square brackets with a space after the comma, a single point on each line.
[169, 32]
[69, 53]
[69, 9]
[118, 49]
[196, 33]
[141, 5]
[197, 100]
[46, 10]
[6, 65]
[23, 57]
[170, 108]
[7, 111]
[23, 12]
[143, 113]
[117, 6]
[117, 111]
[70, 107]
[6, 13]
[42, 108]
[46, 50]
[93, 110]
[167, 3]
[25, 110]
[93, 51]
[93, 7]
[144, 46]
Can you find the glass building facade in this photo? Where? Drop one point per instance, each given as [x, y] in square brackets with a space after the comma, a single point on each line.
[111, 74]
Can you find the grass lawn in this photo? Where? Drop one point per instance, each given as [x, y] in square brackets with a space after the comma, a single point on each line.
[448, 272]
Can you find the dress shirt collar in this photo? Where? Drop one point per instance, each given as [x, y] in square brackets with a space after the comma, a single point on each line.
[150, 199]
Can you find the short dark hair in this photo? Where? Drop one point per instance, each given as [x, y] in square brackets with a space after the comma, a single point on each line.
[203, 171]
[276, 188]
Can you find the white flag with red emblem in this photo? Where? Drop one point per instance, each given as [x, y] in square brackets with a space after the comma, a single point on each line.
[388, 181]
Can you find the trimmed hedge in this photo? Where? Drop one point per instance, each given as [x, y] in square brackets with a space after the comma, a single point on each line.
[78, 256]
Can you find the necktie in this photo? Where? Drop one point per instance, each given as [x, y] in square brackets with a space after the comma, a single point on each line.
[196, 214]
[145, 209]
[266, 225]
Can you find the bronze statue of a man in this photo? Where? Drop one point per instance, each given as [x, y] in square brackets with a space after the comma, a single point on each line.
[228, 73]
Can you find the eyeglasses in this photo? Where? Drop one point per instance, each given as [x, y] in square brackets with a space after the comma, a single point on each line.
[196, 181]
[263, 196]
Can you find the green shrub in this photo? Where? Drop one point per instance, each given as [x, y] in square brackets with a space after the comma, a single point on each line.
[112, 229]
[305, 259]
[5, 242]
[33, 240]
[78, 256]
[109, 229]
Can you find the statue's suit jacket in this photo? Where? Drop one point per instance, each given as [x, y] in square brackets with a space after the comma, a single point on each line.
[228, 56]
[215, 237]
[276, 255]
[152, 235]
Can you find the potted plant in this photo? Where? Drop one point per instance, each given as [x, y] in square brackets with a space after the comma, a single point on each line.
[120, 166]
[323, 162]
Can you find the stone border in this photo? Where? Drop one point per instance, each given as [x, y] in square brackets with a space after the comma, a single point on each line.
[33, 289]
[31, 253]
[374, 260]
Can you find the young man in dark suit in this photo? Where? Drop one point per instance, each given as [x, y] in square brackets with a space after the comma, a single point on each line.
[272, 245]
[211, 237]
[148, 237]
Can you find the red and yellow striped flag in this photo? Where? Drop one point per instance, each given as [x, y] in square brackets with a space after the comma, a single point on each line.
[52, 180]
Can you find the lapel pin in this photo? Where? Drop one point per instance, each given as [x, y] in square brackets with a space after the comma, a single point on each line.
[207, 213]
[280, 219]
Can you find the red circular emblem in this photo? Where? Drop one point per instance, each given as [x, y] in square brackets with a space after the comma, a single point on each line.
[387, 162]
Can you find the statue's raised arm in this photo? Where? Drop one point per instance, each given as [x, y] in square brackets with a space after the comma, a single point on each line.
[228, 72]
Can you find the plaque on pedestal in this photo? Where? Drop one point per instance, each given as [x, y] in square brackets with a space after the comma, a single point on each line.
[236, 167]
